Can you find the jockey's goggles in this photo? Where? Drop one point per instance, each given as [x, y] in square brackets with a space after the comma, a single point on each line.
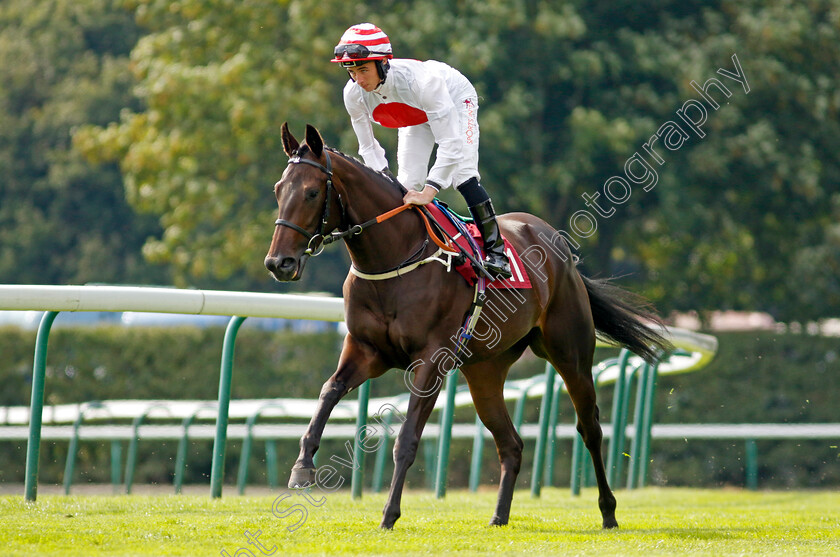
[351, 53]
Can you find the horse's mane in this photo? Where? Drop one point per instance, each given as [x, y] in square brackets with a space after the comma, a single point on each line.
[374, 174]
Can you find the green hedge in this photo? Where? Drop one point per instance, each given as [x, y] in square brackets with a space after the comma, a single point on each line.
[756, 377]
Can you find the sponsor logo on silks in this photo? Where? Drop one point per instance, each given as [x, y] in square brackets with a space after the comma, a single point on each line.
[470, 121]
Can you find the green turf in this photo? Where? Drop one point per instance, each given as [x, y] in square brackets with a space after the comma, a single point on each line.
[653, 521]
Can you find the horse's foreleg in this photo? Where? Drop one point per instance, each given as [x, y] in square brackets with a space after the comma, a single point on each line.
[424, 393]
[357, 363]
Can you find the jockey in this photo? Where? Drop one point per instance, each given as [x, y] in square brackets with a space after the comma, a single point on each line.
[431, 103]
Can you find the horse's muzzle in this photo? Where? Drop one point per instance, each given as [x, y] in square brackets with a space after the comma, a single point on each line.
[284, 269]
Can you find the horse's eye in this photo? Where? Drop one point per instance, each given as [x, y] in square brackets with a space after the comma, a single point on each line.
[311, 194]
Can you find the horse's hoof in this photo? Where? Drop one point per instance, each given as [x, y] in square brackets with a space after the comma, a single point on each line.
[302, 478]
[496, 521]
[389, 519]
[610, 523]
[388, 524]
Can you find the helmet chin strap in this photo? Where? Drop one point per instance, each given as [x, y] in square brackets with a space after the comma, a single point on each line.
[382, 67]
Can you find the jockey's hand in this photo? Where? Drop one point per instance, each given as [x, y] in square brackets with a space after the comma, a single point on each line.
[420, 197]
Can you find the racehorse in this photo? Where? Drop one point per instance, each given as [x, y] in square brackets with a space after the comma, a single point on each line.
[410, 321]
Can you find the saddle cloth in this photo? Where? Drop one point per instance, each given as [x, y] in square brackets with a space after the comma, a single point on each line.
[456, 228]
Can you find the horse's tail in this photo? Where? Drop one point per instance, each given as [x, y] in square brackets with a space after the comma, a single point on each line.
[618, 316]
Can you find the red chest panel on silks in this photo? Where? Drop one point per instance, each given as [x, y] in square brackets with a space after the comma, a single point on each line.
[398, 115]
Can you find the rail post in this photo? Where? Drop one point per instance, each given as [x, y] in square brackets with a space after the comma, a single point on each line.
[382, 452]
[245, 454]
[131, 458]
[551, 449]
[477, 454]
[217, 470]
[429, 461]
[271, 463]
[181, 455]
[358, 476]
[247, 443]
[647, 423]
[618, 423]
[445, 436]
[638, 427]
[577, 465]
[70, 464]
[116, 467]
[752, 464]
[623, 416]
[33, 447]
[542, 436]
[519, 409]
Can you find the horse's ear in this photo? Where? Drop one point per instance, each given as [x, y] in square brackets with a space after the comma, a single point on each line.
[314, 140]
[290, 144]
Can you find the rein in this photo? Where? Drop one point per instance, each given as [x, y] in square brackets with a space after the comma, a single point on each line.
[445, 244]
[320, 241]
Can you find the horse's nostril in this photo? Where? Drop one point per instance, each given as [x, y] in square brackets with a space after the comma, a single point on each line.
[278, 265]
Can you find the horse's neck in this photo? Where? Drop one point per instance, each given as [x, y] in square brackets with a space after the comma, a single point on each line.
[387, 244]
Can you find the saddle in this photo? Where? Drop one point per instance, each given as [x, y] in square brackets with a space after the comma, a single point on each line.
[467, 236]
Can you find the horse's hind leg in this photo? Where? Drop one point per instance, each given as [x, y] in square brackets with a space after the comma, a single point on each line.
[357, 364]
[486, 382]
[424, 392]
[568, 342]
[583, 398]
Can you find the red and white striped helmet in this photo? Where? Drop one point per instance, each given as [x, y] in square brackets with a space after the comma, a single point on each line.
[362, 43]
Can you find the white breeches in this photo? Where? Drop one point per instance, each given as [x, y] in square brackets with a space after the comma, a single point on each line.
[415, 145]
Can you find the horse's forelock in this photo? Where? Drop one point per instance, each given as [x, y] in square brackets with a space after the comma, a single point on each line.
[304, 148]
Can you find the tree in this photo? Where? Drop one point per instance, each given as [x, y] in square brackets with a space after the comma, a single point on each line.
[742, 214]
[745, 217]
[218, 78]
[736, 211]
[63, 64]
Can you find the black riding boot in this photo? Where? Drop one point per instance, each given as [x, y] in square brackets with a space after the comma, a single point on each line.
[495, 260]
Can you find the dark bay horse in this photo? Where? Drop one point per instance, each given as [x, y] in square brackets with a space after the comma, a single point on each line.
[411, 322]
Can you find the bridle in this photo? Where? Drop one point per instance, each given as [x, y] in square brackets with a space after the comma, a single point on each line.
[317, 240]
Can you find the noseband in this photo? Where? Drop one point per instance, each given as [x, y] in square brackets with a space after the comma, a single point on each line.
[316, 240]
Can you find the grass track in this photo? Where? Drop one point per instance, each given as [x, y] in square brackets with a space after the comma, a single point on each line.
[653, 521]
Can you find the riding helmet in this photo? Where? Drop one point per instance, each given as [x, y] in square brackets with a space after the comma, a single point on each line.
[362, 43]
